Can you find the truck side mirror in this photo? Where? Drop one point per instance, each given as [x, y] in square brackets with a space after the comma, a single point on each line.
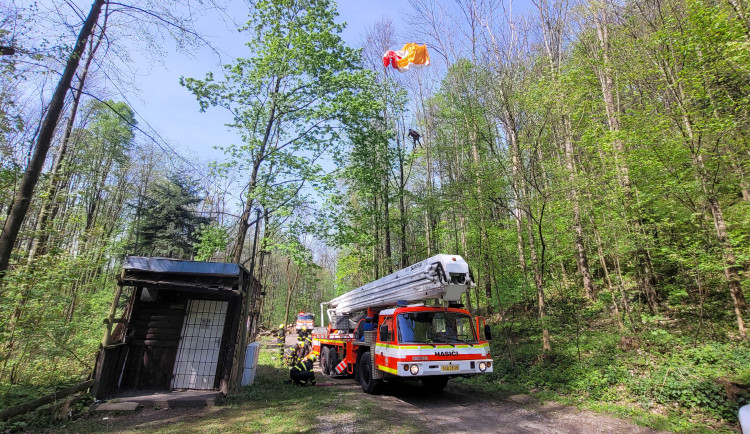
[384, 335]
[487, 332]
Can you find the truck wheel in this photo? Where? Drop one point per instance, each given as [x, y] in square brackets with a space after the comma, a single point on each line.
[369, 385]
[357, 369]
[325, 354]
[434, 384]
[333, 360]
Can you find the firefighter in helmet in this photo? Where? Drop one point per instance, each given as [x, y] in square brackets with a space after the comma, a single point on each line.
[294, 355]
[302, 372]
[300, 351]
[307, 345]
[302, 334]
[280, 340]
[290, 355]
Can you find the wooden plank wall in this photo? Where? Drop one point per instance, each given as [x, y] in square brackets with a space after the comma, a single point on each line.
[155, 332]
[108, 367]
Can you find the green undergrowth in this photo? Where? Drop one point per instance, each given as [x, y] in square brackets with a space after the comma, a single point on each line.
[671, 379]
[12, 395]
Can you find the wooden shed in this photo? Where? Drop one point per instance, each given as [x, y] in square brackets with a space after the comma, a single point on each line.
[177, 324]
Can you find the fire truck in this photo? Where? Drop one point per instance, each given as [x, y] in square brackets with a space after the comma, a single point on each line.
[304, 319]
[407, 325]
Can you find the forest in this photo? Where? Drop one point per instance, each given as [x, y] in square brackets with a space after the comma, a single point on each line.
[590, 159]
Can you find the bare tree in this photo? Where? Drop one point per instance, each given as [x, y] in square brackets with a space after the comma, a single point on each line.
[44, 140]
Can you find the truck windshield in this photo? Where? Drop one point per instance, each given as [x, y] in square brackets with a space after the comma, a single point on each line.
[435, 327]
[301, 317]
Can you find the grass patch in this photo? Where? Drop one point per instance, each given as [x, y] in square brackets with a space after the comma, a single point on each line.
[268, 406]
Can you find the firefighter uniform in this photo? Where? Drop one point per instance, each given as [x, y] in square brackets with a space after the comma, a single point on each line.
[307, 347]
[302, 372]
[294, 355]
[280, 340]
[290, 355]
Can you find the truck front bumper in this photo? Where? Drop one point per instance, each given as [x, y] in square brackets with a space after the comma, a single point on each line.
[431, 368]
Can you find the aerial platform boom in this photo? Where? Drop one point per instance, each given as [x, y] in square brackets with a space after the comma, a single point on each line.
[442, 276]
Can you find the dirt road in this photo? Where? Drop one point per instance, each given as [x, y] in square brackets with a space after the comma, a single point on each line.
[461, 408]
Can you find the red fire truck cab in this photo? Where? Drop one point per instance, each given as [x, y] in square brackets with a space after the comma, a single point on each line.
[427, 343]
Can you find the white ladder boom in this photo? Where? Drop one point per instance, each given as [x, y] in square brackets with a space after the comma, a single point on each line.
[441, 276]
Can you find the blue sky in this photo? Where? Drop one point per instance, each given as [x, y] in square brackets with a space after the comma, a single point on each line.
[173, 112]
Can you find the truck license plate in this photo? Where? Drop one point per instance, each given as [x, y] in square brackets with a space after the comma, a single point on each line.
[449, 368]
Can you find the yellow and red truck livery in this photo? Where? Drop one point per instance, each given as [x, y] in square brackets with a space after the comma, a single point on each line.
[430, 343]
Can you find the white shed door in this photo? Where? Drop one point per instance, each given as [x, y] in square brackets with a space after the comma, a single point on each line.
[200, 341]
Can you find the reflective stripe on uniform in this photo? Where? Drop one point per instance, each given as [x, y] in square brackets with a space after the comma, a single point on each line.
[302, 368]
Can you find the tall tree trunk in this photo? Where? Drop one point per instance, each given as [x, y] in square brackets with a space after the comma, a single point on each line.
[244, 223]
[147, 167]
[539, 284]
[100, 181]
[49, 207]
[426, 143]
[553, 27]
[402, 214]
[607, 82]
[427, 232]
[607, 279]
[387, 228]
[465, 253]
[731, 269]
[291, 287]
[581, 256]
[482, 224]
[44, 140]
[262, 253]
[634, 321]
[516, 182]
[376, 238]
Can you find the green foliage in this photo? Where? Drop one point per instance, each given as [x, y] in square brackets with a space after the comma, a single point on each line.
[51, 308]
[168, 223]
[212, 238]
[292, 99]
[50, 335]
[112, 129]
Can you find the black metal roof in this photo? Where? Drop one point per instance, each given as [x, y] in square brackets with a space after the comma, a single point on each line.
[179, 266]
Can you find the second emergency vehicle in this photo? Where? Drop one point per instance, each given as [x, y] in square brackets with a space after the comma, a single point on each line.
[304, 319]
